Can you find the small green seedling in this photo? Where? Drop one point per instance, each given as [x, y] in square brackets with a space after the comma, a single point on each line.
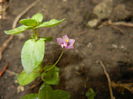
[90, 94]
[32, 56]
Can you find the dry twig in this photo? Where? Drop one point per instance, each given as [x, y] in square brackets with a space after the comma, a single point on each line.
[6, 43]
[108, 78]
[121, 24]
[3, 70]
[11, 73]
[128, 86]
[109, 22]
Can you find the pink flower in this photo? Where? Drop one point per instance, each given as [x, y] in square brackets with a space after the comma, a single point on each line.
[65, 42]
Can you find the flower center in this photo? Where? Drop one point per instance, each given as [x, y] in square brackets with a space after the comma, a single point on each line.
[67, 40]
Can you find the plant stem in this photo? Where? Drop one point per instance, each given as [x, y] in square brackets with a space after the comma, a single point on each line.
[61, 54]
[35, 34]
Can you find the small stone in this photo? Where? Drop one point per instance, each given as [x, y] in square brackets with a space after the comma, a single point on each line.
[114, 46]
[20, 89]
[64, 0]
[89, 45]
[122, 47]
[93, 23]
[103, 10]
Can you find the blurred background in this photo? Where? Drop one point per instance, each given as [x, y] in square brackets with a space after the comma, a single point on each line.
[103, 30]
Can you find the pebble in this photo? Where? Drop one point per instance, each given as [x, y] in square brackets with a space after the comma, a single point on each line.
[93, 23]
[103, 10]
[89, 45]
[114, 46]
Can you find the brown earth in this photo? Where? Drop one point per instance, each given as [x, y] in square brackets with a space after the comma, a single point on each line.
[79, 67]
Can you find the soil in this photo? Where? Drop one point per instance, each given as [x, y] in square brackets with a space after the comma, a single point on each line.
[79, 67]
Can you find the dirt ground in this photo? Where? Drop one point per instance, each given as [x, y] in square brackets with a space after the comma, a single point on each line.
[79, 67]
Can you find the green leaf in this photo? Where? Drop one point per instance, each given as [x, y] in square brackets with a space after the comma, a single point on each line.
[90, 94]
[23, 78]
[61, 94]
[30, 96]
[47, 38]
[51, 76]
[50, 23]
[29, 22]
[38, 17]
[45, 92]
[32, 54]
[17, 30]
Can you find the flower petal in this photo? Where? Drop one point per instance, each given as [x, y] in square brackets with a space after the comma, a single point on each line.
[71, 43]
[65, 38]
[60, 41]
[69, 47]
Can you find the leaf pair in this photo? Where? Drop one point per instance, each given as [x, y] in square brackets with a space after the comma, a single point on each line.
[46, 92]
[33, 23]
[51, 75]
